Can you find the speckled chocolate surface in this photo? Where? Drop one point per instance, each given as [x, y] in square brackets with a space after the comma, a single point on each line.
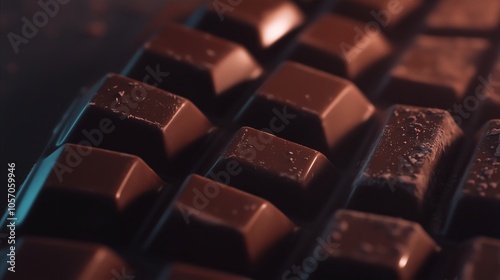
[258, 139]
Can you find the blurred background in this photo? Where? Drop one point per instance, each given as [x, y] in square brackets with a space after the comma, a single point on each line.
[74, 47]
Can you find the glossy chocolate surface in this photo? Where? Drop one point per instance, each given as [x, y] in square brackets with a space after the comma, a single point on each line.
[97, 192]
[436, 71]
[326, 108]
[293, 177]
[479, 191]
[221, 226]
[201, 66]
[370, 246]
[398, 176]
[335, 129]
[348, 54]
[132, 117]
[256, 24]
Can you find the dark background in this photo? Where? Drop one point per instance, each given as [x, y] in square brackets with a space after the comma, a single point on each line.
[82, 42]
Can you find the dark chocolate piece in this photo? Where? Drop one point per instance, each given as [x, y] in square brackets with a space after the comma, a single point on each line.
[463, 17]
[367, 246]
[293, 177]
[217, 225]
[325, 108]
[341, 46]
[180, 271]
[478, 259]
[476, 204]
[387, 13]
[36, 256]
[201, 67]
[96, 192]
[435, 71]
[400, 173]
[135, 118]
[257, 24]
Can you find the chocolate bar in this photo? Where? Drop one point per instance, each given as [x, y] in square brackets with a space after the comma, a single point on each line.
[365, 245]
[278, 140]
[258, 24]
[479, 189]
[398, 178]
[328, 108]
[351, 52]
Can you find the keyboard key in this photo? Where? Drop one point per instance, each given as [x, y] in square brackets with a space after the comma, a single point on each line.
[436, 71]
[367, 246]
[180, 271]
[97, 193]
[47, 259]
[465, 18]
[478, 259]
[201, 67]
[478, 194]
[294, 178]
[407, 163]
[131, 117]
[387, 13]
[326, 109]
[214, 224]
[341, 46]
[256, 24]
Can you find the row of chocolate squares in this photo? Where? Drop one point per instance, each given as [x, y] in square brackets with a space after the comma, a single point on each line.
[92, 193]
[320, 111]
[355, 246]
[223, 70]
[298, 103]
[260, 25]
[410, 157]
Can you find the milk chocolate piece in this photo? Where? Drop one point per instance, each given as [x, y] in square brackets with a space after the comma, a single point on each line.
[326, 109]
[200, 67]
[367, 246]
[257, 24]
[401, 172]
[96, 192]
[132, 117]
[294, 178]
[181, 271]
[387, 13]
[217, 225]
[465, 18]
[476, 204]
[436, 71]
[36, 258]
[341, 46]
[477, 259]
